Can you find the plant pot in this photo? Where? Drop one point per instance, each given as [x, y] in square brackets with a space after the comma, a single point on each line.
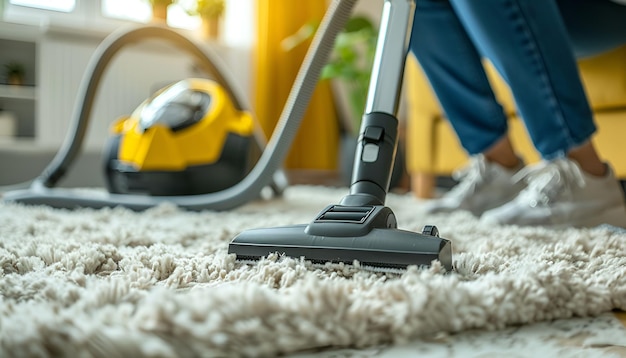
[210, 28]
[159, 13]
[16, 80]
[347, 152]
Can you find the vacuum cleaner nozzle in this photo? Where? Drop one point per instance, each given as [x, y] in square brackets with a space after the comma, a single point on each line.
[367, 234]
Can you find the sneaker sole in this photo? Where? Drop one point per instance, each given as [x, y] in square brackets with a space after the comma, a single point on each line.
[614, 216]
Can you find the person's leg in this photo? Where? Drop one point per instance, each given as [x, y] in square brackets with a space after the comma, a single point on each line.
[456, 74]
[528, 43]
[503, 153]
[454, 69]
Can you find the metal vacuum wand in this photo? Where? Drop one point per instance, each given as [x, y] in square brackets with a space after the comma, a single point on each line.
[378, 135]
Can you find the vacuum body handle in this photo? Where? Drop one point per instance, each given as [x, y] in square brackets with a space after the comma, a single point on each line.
[378, 135]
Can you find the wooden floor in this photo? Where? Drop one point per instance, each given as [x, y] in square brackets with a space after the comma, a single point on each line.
[621, 315]
[313, 177]
[332, 178]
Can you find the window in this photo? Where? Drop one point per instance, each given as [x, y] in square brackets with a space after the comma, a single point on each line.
[178, 17]
[135, 10]
[56, 5]
[106, 15]
[140, 11]
[237, 27]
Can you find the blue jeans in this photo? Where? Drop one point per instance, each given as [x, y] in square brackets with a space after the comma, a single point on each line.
[534, 45]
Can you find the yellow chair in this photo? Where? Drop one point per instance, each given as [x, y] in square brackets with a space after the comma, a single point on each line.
[433, 148]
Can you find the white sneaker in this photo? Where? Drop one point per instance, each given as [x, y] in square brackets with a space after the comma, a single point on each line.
[560, 194]
[483, 185]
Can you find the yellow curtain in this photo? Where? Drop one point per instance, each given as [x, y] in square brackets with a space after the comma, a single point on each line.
[316, 145]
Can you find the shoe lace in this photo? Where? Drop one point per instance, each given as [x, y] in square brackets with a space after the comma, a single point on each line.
[547, 181]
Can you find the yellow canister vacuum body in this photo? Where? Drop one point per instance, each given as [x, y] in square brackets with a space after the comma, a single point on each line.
[187, 139]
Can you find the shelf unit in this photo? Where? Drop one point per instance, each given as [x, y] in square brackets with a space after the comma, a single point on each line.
[19, 44]
[18, 92]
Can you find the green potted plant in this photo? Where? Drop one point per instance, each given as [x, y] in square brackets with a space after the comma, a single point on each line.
[15, 72]
[211, 12]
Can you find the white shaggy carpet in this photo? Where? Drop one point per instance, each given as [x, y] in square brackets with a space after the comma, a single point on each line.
[115, 283]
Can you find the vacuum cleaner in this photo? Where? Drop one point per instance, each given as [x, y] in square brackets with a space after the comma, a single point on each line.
[186, 139]
[358, 228]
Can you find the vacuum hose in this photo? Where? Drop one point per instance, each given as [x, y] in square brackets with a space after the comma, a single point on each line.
[42, 191]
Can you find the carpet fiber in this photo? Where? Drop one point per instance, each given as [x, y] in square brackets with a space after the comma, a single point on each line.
[114, 283]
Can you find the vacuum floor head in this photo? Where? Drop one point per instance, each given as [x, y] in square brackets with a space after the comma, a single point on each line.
[366, 234]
